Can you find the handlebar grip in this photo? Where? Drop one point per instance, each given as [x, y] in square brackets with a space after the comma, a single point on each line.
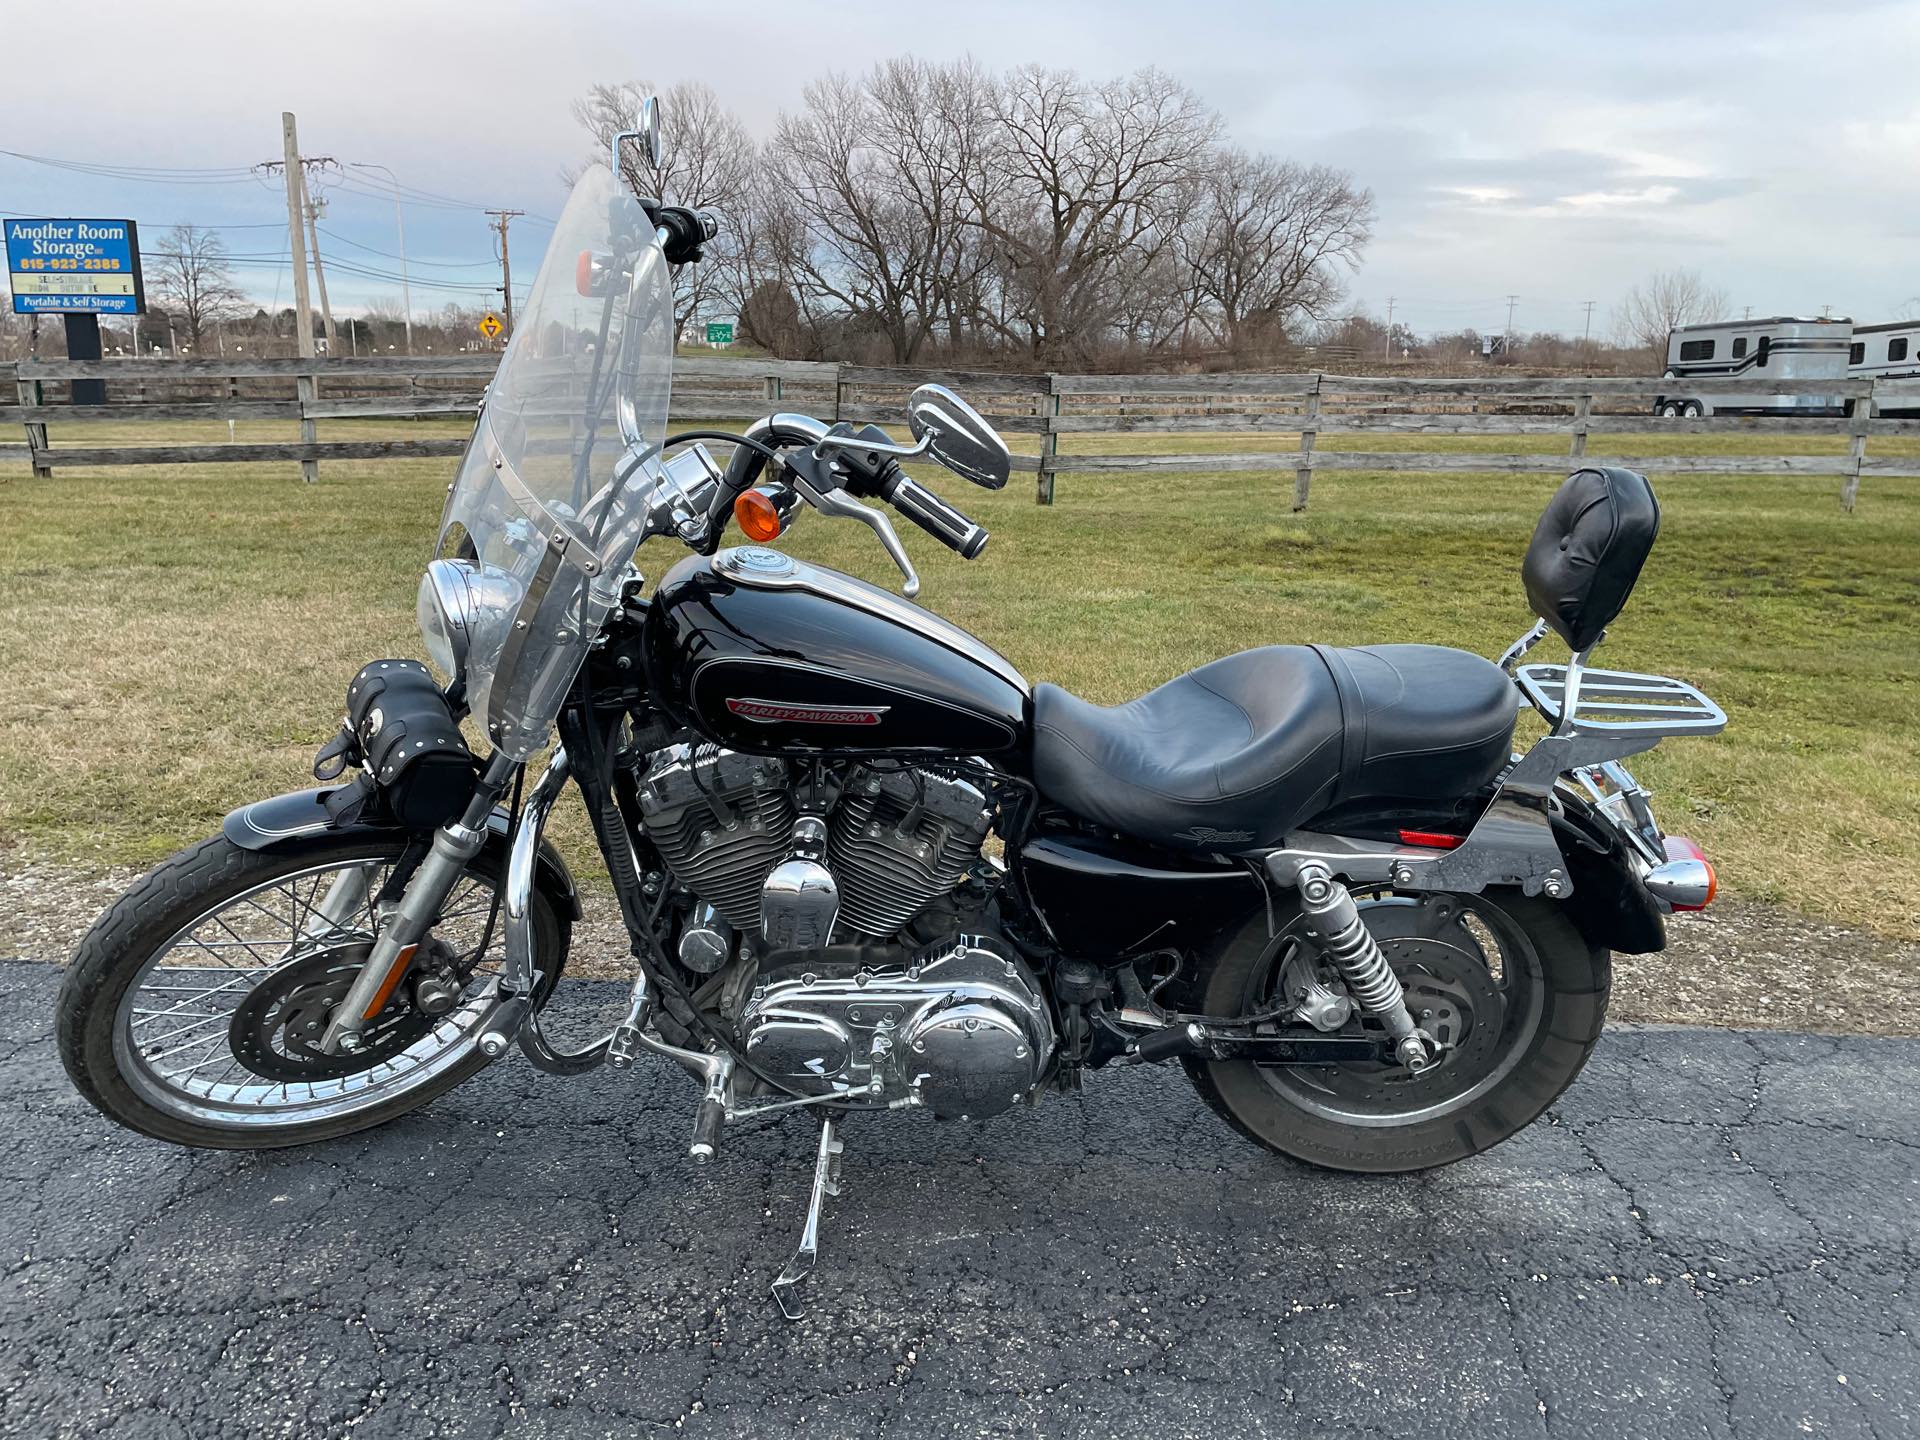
[935, 516]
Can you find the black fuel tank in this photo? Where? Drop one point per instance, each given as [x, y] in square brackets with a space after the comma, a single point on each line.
[765, 653]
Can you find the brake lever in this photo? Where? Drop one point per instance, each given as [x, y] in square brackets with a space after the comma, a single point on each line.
[838, 502]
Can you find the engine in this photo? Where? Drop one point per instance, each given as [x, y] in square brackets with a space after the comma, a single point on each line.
[721, 820]
[734, 831]
[961, 1027]
[820, 868]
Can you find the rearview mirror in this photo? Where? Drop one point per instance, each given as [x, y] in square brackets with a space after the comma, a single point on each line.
[957, 436]
[650, 130]
[647, 133]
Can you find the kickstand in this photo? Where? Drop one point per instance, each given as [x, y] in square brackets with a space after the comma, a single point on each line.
[826, 1181]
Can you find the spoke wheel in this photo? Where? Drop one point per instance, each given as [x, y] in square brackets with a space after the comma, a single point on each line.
[194, 1007]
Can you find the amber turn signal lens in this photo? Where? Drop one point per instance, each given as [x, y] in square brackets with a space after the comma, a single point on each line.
[583, 272]
[758, 517]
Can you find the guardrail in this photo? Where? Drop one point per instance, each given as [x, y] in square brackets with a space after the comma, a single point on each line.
[1300, 407]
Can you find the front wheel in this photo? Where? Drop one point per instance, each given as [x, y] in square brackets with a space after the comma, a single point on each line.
[1504, 982]
[193, 1007]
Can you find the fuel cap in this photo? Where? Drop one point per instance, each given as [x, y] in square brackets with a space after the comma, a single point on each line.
[755, 562]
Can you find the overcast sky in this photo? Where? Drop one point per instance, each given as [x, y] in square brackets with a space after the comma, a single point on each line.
[1553, 152]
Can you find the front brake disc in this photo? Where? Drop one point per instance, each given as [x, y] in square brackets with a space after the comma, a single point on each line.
[276, 1029]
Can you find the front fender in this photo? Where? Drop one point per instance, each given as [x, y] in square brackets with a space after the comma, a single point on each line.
[285, 820]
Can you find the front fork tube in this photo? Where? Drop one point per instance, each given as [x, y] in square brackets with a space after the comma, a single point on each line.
[454, 846]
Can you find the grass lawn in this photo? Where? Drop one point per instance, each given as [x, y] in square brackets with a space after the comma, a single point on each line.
[174, 641]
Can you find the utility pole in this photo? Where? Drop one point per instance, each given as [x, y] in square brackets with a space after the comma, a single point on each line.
[501, 217]
[1389, 327]
[1586, 335]
[303, 310]
[314, 208]
[1512, 300]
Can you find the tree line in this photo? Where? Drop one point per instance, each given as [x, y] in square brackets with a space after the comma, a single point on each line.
[929, 211]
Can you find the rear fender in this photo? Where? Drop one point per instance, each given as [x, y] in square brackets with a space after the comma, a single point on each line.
[287, 820]
[1609, 905]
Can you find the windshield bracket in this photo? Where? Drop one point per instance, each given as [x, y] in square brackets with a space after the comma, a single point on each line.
[562, 535]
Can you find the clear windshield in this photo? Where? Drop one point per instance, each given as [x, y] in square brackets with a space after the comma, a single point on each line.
[549, 500]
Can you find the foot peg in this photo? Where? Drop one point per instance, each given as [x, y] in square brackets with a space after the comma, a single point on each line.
[826, 1181]
[502, 1026]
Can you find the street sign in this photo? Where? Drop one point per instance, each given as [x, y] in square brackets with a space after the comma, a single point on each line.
[720, 333]
[86, 267]
[490, 325]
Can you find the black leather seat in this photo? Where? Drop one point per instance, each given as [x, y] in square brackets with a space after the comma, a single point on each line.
[1233, 755]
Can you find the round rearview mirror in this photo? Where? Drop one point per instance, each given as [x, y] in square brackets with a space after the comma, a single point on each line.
[650, 130]
[957, 436]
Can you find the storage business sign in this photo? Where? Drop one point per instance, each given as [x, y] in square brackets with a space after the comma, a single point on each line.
[89, 267]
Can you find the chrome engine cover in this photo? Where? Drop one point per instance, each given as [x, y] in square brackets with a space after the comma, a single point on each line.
[961, 1028]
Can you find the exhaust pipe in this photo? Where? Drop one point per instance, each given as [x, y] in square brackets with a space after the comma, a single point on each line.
[1686, 881]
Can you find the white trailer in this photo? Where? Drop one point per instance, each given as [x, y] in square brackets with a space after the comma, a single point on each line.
[1888, 352]
[1778, 347]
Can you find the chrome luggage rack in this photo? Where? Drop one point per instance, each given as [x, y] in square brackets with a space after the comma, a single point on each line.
[1615, 702]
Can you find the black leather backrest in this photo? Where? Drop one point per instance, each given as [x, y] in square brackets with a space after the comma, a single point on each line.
[1588, 549]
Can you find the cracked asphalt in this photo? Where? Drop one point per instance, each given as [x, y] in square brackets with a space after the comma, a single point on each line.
[1712, 1235]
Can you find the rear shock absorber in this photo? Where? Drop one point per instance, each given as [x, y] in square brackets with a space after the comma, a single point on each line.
[1335, 925]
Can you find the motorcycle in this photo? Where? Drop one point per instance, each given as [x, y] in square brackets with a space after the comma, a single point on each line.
[863, 864]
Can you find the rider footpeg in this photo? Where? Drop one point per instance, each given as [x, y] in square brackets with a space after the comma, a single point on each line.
[826, 1181]
[503, 1026]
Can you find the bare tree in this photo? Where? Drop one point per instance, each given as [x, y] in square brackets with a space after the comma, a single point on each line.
[707, 164]
[190, 272]
[1662, 302]
[881, 175]
[1094, 180]
[1269, 242]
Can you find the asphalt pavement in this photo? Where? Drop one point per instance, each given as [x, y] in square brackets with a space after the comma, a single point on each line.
[1712, 1235]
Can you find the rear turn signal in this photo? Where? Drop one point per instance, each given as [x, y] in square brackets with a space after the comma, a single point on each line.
[758, 517]
[1686, 881]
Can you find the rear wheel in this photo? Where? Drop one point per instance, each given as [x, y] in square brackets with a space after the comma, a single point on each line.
[1504, 982]
[193, 1009]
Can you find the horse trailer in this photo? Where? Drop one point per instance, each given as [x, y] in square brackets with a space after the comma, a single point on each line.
[1780, 347]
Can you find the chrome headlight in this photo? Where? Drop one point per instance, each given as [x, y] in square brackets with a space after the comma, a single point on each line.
[446, 611]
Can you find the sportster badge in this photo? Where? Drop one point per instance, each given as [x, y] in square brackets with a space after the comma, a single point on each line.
[769, 712]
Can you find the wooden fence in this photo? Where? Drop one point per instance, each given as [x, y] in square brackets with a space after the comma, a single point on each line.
[1598, 415]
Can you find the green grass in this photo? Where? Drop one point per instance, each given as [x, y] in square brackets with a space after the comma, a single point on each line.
[176, 640]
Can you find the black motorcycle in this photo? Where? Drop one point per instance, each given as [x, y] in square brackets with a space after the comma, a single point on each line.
[862, 862]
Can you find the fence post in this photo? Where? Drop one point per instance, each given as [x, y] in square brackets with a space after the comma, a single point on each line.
[773, 391]
[1582, 413]
[29, 393]
[1857, 447]
[1048, 406]
[306, 388]
[1309, 433]
[841, 390]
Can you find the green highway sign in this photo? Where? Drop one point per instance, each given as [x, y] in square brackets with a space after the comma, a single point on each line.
[719, 333]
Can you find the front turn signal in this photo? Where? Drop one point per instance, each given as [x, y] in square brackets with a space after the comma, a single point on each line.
[758, 516]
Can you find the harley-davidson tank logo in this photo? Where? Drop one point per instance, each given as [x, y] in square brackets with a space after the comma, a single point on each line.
[770, 712]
